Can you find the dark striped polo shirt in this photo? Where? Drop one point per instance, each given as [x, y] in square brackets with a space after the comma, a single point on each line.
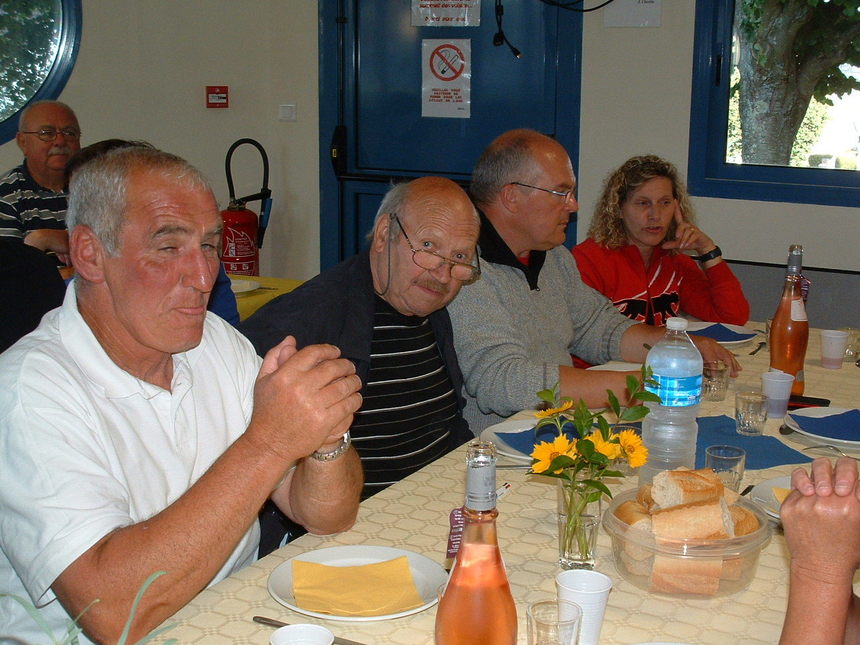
[26, 206]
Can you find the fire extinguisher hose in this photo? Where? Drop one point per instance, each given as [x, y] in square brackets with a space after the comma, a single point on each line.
[265, 195]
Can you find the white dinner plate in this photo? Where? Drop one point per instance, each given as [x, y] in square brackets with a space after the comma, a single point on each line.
[617, 366]
[738, 329]
[426, 573]
[492, 434]
[762, 494]
[818, 413]
[243, 286]
[661, 643]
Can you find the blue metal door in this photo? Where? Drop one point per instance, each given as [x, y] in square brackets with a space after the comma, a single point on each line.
[372, 131]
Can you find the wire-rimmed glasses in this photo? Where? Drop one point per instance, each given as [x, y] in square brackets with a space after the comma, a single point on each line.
[430, 260]
[49, 134]
[565, 195]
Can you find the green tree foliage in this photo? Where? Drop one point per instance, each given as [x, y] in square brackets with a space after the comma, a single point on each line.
[789, 53]
[29, 37]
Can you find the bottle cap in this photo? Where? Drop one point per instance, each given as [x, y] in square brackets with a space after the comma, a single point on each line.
[676, 323]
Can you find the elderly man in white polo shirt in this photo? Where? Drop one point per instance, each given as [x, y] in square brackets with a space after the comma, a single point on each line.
[138, 433]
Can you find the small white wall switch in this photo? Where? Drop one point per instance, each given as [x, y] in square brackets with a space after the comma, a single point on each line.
[287, 112]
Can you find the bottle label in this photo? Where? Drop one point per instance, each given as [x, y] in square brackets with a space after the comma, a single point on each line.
[798, 310]
[677, 392]
[455, 534]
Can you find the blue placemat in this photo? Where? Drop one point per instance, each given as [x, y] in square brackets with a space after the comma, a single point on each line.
[720, 332]
[762, 452]
[844, 426]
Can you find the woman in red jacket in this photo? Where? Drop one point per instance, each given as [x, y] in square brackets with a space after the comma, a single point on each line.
[633, 254]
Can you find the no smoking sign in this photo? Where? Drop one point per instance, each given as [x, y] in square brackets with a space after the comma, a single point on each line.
[447, 62]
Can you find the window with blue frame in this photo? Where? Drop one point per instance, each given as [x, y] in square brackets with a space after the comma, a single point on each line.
[776, 101]
[39, 41]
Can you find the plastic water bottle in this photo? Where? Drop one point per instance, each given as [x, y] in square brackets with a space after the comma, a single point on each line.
[669, 431]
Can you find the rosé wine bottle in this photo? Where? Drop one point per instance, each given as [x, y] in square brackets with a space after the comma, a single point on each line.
[477, 607]
[789, 331]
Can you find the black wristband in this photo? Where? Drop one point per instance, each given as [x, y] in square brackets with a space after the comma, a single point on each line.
[710, 255]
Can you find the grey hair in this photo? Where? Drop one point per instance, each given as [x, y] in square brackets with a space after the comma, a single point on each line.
[393, 202]
[26, 111]
[507, 159]
[98, 190]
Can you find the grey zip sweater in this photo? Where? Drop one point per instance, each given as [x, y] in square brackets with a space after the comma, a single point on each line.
[517, 324]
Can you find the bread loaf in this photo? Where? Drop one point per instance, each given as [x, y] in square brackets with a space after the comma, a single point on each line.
[710, 520]
[636, 516]
[745, 522]
[672, 574]
[675, 487]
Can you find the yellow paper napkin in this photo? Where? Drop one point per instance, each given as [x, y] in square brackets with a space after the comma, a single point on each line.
[367, 590]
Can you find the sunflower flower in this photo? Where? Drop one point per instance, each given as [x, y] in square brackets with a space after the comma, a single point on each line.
[611, 449]
[632, 448]
[546, 451]
[545, 414]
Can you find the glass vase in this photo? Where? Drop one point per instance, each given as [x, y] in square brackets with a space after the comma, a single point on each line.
[579, 512]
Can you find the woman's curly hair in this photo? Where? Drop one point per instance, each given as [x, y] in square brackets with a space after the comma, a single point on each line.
[607, 227]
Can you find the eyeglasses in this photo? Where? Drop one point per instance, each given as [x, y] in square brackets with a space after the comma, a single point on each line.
[49, 134]
[565, 195]
[430, 260]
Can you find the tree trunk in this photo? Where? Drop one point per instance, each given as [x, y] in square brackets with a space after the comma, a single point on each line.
[771, 103]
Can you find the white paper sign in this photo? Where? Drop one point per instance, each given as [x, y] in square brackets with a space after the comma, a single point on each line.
[446, 78]
[446, 13]
[632, 13]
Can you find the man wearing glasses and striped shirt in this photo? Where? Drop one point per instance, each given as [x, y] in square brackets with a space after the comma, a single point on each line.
[385, 308]
[33, 196]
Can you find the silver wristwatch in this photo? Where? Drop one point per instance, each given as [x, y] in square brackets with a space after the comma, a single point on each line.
[331, 455]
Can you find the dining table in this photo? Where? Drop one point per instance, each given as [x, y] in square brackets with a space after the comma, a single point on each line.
[413, 515]
[254, 291]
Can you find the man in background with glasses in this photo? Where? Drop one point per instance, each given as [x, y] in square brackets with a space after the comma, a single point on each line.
[33, 196]
[515, 330]
[385, 308]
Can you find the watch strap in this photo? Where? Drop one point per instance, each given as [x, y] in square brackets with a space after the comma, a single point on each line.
[716, 252]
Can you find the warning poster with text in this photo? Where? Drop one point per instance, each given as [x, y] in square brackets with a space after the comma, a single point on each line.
[446, 78]
[446, 13]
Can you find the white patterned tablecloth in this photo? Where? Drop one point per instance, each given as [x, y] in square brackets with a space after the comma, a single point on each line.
[413, 515]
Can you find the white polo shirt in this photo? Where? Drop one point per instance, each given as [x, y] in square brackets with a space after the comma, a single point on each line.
[86, 448]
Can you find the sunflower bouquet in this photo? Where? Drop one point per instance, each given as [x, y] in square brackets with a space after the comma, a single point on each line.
[586, 449]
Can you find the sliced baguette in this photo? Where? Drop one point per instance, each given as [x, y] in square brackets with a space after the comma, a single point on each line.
[744, 521]
[676, 487]
[638, 519]
[684, 575]
[710, 520]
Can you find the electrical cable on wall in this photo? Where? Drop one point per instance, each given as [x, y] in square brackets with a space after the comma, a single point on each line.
[569, 6]
[499, 37]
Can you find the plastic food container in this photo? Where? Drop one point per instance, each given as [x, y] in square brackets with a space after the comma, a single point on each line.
[685, 567]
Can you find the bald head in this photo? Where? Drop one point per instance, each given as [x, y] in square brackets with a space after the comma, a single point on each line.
[430, 216]
[512, 156]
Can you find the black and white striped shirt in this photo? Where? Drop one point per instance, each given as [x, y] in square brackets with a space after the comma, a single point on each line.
[406, 420]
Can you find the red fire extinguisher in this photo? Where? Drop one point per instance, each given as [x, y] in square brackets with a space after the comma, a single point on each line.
[243, 233]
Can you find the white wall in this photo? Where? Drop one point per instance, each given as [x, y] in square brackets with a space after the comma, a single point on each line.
[143, 67]
[141, 74]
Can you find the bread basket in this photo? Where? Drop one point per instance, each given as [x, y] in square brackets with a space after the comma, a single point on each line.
[685, 567]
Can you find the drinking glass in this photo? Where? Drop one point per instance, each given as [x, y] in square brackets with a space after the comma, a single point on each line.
[728, 462]
[715, 380]
[554, 622]
[750, 412]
